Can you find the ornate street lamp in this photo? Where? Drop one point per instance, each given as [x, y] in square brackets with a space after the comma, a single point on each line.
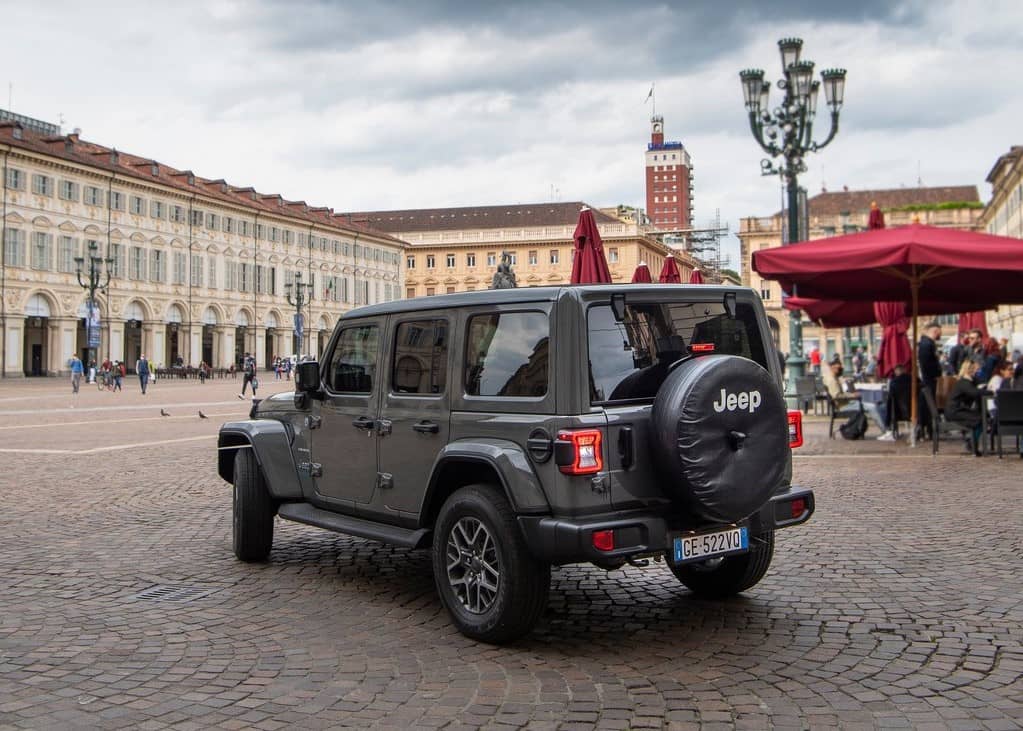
[787, 132]
[303, 295]
[98, 278]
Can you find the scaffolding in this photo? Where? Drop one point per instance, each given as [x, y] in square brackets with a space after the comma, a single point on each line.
[703, 244]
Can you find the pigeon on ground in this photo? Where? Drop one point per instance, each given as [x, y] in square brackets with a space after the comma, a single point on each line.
[202, 415]
[163, 413]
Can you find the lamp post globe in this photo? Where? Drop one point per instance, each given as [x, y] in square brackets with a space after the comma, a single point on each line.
[787, 133]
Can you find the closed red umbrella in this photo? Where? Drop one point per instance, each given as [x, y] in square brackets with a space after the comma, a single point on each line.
[895, 347]
[669, 272]
[876, 218]
[696, 277]
[898, 264]
[973, 321]
[589, 265]
[642, 274]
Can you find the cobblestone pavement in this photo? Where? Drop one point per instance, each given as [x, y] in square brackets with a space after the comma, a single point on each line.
[899, 605]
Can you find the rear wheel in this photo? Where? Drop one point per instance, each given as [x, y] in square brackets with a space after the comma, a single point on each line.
[253, 510]
[717, 578]
[493, 588]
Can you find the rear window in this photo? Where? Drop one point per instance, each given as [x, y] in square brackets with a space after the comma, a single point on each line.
[629, 360]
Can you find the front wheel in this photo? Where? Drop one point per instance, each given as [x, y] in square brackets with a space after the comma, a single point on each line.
[253, 510]
[717, 578]
[493, 588]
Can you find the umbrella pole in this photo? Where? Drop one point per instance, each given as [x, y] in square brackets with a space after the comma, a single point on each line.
[914, 285]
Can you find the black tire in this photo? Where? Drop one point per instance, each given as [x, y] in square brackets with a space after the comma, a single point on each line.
[522, 583]
[722, 459]
[730, 575]
[253, 510]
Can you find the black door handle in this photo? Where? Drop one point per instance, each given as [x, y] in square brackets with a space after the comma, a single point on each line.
[363, 423]
[426, 427]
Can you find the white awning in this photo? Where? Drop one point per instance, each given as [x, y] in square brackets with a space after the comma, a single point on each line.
[174, 314]
[241, 319]
[209, 317]
[133, 311]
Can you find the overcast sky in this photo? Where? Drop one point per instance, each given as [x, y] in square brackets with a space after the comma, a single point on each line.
[393, 104]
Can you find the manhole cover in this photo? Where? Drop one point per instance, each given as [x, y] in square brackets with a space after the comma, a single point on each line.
[176, 594]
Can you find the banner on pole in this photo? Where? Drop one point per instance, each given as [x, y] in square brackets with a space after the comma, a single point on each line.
[299, 326]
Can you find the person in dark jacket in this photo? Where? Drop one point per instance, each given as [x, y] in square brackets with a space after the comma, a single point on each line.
[927, 356]
[963, 407]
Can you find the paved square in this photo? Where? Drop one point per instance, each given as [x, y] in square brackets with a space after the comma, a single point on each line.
[121, 605]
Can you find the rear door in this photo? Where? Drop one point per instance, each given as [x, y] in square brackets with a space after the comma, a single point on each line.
[414, 414]
[629, 360]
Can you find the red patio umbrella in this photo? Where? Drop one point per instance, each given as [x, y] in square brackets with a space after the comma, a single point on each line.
[696, 277]
[855, 313]
[642, 274]
[973, 321]
[669, 272]
[897, 264]
[589, 265]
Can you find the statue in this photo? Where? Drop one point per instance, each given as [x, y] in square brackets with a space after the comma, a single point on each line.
[504, 277]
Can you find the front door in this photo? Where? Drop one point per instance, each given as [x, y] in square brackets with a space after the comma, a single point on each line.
[345, 445]
[414, 413]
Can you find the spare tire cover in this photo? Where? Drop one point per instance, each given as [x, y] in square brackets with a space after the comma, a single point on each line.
[721, 436]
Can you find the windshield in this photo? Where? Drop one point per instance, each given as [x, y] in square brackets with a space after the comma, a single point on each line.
[629, 360]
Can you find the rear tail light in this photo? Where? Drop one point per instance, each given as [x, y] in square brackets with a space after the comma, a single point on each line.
[604, 540]
[795, 428]
[798, 507]
[579, 452]
[701, 348]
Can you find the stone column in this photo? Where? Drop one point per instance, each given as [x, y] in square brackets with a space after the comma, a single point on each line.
[15, 347]
[223, 349]
[56, 360]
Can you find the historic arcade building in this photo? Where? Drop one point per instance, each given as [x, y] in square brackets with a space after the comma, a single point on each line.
[199, 269]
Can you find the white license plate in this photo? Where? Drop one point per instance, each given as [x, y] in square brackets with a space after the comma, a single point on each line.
[698, 546]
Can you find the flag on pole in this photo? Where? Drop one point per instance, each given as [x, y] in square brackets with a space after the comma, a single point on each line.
[650, 94]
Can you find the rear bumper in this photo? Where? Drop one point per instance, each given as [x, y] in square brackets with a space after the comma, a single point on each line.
[641, 533]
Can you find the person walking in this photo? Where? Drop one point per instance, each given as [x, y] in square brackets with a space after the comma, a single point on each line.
[77, 369]
[118, 367]
[249, 373]
[142, 369]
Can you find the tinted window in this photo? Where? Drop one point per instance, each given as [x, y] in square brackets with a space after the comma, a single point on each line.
[506, 355]
[630, 359]
[354, 360]
[420, 357]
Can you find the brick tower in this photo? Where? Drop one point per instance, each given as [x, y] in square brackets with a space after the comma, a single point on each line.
[669, 181]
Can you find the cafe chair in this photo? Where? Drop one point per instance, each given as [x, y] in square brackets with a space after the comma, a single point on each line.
[1008, 417]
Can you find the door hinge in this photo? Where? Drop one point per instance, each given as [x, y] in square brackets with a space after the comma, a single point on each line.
[385, 480]
[313, 422]
[315, 469]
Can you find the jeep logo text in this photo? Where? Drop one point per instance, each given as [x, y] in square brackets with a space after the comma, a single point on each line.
[744, 401]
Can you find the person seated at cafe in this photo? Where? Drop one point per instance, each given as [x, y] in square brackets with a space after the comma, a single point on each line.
[846, 400]
[964, 403]
[899, 388]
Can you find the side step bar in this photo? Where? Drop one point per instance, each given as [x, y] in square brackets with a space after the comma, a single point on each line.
[312, 515]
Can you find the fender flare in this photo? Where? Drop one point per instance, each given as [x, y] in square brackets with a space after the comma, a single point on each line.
[270, 442]
[508, 460]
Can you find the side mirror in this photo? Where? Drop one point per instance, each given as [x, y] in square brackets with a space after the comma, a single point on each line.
[307, 377]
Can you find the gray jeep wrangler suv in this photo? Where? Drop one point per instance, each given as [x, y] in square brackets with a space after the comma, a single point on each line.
[509, 430]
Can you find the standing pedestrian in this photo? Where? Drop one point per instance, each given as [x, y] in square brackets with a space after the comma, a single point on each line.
[142, 369]
[77, 369]
[249, 372]
[118, 367]
[815, 361]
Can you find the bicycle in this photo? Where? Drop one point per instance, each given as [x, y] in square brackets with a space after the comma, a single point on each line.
[105, 381]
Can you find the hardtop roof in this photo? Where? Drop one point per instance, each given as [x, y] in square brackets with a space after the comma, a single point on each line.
[535, 294]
